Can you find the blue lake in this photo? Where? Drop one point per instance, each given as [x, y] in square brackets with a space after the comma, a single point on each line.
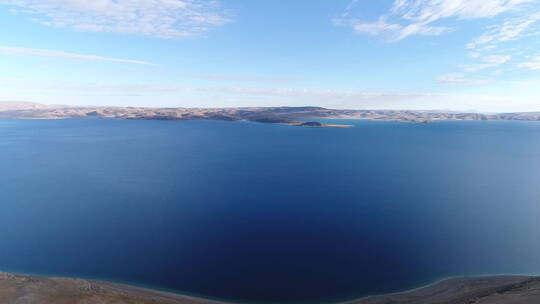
[268, 213]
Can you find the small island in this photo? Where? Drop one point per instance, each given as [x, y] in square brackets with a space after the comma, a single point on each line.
[311, 124]
[316, 124]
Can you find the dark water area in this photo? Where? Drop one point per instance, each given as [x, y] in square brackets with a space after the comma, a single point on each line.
[268, 213]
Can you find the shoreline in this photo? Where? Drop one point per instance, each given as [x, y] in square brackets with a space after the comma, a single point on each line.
[501, 289]
[482, 289]
[68, 290]
[131, 284]
[299, 116]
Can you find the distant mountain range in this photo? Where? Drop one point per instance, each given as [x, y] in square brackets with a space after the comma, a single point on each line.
[283, 115]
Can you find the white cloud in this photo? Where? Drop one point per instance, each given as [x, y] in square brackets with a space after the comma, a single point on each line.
[433, 10]
[397, 31]
[531, 65]
[19, 51]
[496, 60]
[156, 18]
[421, 29]
[522, 26]
[422, 17]
[510, 29]
[489, 62]
[461, 79]
[376, 28]
[415, 17]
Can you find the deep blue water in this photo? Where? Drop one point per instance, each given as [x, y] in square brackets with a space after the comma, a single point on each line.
[268, 213]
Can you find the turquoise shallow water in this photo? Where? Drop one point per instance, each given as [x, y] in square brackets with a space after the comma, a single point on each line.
[268, 213]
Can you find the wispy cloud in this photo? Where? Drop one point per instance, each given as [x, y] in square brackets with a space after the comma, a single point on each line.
[487, 47]
[19, 51]
[460, 78]
[416, 17]
[533, 64]
[376, 28]
[488, 62]
[405, 18]
[510, 29]
[156, 18]
[396, 31]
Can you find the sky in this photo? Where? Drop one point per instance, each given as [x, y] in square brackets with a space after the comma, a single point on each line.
[463, 55]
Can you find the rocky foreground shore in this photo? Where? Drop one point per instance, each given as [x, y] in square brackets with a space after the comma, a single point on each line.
[27, 289]
[480, 290]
